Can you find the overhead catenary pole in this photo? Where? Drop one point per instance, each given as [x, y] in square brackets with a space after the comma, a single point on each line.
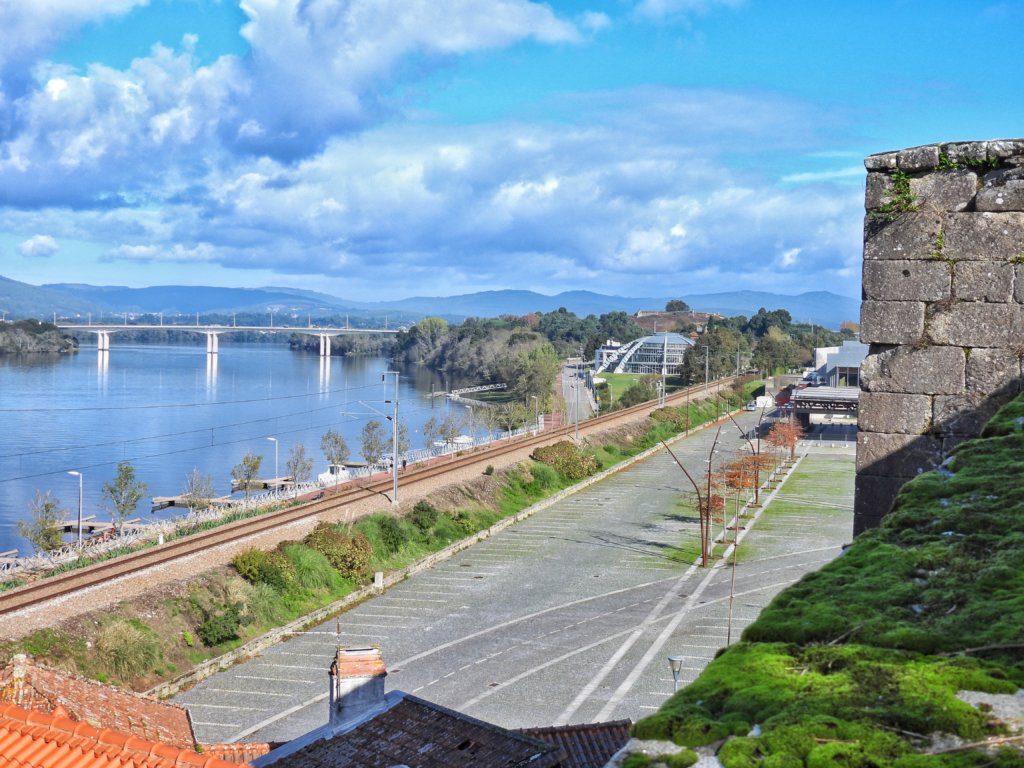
[707, 360]
[394, 438]
[274, 441]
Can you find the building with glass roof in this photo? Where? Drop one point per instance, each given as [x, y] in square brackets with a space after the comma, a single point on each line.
[658, 353]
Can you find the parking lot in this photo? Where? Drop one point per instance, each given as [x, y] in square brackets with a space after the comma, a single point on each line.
[565, 617]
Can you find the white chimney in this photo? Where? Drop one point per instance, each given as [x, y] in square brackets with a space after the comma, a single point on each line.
[357, 683]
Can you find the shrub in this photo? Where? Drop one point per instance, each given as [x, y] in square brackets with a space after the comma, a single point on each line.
[348, 554]
[188, 639]
[265, 605]
[392, 535]
[221, 624]
[248, 564]
[489, 470]
[278, 571]
[424, 516]
[129, 649]
[567, 460]
[313, 570]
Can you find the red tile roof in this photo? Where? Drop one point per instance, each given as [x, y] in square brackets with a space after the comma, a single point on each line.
[586, 746]
[238, 753]
[32, 739]
[33, 686]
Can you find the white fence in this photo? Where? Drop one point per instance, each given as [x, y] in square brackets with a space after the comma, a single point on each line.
[98, 545]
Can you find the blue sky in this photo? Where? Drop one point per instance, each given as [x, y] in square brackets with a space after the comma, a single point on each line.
[384, 148]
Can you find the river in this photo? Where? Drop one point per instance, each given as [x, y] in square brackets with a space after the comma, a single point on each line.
[168, 409]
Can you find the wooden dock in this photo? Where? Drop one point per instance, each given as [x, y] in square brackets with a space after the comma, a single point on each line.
[163, 502]
[92, 526]
[260, 484]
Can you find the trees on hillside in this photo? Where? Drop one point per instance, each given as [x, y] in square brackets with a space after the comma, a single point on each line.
[373, 441]
[723, 344]
[677, 305]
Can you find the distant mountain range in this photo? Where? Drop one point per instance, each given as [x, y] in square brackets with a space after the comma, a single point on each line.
[24, 300]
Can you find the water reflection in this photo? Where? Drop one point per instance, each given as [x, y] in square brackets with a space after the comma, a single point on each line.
[102, 369]
[211, 374]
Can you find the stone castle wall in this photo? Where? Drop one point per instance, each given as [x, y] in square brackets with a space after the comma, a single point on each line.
[943, 307]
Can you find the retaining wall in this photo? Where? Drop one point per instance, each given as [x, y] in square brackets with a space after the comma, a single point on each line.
[943, 307]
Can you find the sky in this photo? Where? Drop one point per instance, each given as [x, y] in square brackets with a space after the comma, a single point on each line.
[377, 149]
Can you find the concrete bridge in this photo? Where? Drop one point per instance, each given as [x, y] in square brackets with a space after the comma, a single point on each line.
[213, 332]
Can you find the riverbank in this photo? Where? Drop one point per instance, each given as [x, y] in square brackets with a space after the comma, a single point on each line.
[31, 337]
[297, 581]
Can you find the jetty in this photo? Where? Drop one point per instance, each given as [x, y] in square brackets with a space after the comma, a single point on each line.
[163, 502]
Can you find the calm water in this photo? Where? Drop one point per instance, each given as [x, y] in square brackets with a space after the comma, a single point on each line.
[168, 409]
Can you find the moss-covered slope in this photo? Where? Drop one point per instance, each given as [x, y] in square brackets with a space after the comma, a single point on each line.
[859, 663]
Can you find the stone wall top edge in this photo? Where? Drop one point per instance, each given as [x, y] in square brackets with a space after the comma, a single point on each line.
[926, 156]
[941, 144]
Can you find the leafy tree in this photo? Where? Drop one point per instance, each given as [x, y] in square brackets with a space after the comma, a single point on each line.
[299, 467]
[535, 373]
[488, 418]
[786, 435]
[511, 415]
[198, 490]
[722, 343]
[403, 438]
[123, 494]
[677, 305]
[373, 441]
[431, 431]
[449, 428]
[246, 471]
[776, 351]
[44, 515]
[335, 449]
[639, 392]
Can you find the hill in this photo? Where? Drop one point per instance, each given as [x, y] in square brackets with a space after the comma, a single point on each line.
[24, 300]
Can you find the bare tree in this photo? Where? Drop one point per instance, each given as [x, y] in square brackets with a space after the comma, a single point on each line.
[299, 466]
[449, 428]
[246, 471]
[123, 494]
[403, 439]
[41, 528]
[707, 497]
[198, 490]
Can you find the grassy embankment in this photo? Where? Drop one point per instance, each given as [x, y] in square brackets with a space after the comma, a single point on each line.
[858, 665]
[159, 637]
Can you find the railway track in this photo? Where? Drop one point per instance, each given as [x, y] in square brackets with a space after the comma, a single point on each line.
[66, 584]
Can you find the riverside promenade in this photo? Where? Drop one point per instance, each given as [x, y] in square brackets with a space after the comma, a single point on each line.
[566, 617]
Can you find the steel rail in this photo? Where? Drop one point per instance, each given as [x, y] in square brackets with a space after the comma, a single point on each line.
[65, 584]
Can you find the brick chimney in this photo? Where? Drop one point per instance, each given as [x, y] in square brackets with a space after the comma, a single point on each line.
[357, 683]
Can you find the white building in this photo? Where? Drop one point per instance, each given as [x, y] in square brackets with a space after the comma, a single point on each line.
[658, 353]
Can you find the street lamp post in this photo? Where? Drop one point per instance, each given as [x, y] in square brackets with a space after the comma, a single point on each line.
[536, 412]
[707, 360]
[675, 663]
[79, 476]
[274, 441]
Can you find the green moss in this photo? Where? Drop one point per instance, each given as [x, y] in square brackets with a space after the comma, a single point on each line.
[878, 642]
[901, 199]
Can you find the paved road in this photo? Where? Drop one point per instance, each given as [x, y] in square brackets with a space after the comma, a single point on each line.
[571, 380]
[566, 617]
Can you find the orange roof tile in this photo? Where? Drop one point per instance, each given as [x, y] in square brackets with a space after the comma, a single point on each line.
[32, 739]
[31, 685]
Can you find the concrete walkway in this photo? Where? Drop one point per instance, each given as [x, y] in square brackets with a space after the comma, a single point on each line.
[566, 617]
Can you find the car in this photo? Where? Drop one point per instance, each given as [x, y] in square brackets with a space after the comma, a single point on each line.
[751, 406]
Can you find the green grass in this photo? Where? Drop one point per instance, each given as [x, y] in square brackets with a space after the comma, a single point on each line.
[844, 667]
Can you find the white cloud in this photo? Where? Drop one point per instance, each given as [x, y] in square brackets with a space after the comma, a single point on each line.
[788, 257]
[852, 172]
[38, 246]
[658, 9]
[595, 21]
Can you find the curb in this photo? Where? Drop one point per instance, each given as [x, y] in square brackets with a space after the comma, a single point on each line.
[255, 646]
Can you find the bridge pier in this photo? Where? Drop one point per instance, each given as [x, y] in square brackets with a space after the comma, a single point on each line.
[212, 343]
[325, 345]
[103, 341]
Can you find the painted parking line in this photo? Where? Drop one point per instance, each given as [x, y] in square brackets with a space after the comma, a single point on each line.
[215, 725]
[273, 679]
[243, 707]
